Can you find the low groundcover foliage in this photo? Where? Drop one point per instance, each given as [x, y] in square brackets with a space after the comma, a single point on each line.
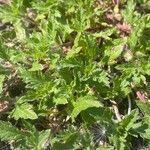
[74, 74]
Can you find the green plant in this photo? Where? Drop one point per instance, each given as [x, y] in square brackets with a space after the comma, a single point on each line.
[66, 66]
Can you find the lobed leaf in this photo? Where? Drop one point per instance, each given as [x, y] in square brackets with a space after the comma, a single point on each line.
[24, 111]
[82, 103]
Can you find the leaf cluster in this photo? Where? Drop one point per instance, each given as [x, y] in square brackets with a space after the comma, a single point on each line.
[75, 74]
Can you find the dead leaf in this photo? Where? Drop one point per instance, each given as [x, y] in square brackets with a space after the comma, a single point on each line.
[3, 106]
[125, 28]
[5, 2]
[142, 96]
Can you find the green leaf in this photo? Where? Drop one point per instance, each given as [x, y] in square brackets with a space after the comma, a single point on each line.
[32, 80]
[43, 138]
[144, 130]
[129, 12]
[120, 142]
[36, 67]
[130, 120]
[60, 100]
[101, 77]
[3, 51]
[102, 113]
[82, 103]
[104, 34]
[24, 111]
[73, 52]
[9, 132]
[146, 135]
[6, 14]
[113, 50]
[75, 49]
[106, 148]
[66, 142]
[145, 107]
[115, 53]
[20, 31]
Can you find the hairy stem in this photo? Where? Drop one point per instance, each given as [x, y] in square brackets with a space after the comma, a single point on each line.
[129, 105]
[114, 105]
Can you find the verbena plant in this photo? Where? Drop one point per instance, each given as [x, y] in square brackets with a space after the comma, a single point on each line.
[74, 74]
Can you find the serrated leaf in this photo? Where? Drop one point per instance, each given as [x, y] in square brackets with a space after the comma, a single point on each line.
[33, 80]
[20, 31]
[102, 77]
[36, 66]
[9, 132]
[130, 120]
[61, 100]
[106, 113]
[83, 103]
[74, 51]
[3, 51]
[146, 135]
[43, 138]
[104, 34]
[145, 107]
[24, 111]
[128, 13]
[144, 130]
[114, 54]
[67, 141]
[106, 148]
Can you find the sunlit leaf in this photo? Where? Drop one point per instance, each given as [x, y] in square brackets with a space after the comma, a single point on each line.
[82, 103]
[24, 111]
